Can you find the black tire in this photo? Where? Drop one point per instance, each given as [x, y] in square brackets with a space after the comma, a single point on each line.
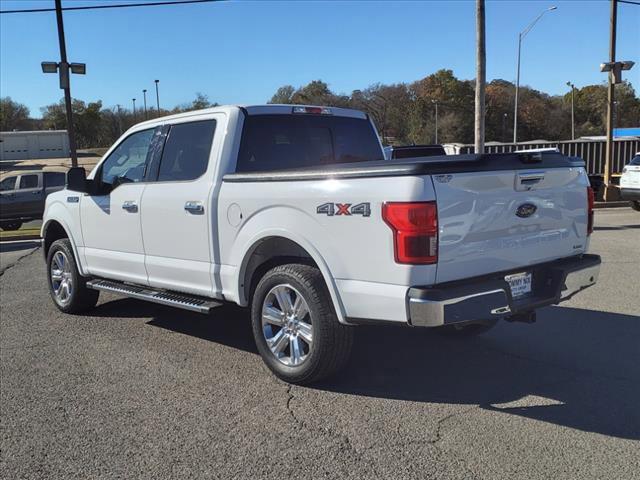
[635, 204]
[466, 330]
[11, 225]
[80, 298]
[331, 343]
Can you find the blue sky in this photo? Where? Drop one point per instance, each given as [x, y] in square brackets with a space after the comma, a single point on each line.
[241, 52]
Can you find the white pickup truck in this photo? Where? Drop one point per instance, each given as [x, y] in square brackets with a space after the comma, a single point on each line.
[293, 212]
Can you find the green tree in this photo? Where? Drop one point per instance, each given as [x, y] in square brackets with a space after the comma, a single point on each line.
[284, 95]
[13, 115]
[87, 120]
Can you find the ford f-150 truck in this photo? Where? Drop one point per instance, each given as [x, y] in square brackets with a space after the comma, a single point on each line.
[293, 212]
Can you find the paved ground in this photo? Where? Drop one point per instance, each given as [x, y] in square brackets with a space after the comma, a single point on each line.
[135, 390]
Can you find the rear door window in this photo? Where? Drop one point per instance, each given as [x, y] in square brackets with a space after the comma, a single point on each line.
[186, 151]
[28, 181]
[635, 160]
[276, 142]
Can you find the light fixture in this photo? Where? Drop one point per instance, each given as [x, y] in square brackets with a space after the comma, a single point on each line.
[78, 68]
[49, 67]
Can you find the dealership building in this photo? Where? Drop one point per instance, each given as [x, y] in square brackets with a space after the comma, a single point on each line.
[34, 145]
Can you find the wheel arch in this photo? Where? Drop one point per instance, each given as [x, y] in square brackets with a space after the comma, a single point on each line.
[271, 249]
[54, 229]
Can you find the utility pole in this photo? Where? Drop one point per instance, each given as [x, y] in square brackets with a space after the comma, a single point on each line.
[481, 60]
[573, 123]
[65, 85]
[144, 96]
[609, 191]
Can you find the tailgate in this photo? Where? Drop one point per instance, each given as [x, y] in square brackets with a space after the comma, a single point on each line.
[503, 220]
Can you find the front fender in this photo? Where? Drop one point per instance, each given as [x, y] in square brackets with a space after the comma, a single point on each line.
[69, 218]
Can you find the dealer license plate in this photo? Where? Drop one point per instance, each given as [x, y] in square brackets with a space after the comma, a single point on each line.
[520, 284]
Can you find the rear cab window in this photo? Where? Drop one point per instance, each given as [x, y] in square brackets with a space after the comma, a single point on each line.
[280, 142]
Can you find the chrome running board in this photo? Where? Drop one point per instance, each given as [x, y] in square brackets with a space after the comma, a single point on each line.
[163, 297]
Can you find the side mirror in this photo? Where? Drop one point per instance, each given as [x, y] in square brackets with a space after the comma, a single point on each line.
[77, 180]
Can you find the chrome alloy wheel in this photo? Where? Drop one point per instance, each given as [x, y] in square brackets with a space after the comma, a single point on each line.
[61, 278]
[286, 325]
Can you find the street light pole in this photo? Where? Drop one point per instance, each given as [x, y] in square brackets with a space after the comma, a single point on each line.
[134, 109]
[65, 85]
[157, 96]
[504, 126]
[119, 120]
[144, 95]
[521, 36]
[573, 124]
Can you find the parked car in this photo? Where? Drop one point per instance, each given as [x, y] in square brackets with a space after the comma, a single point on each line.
[630, 182]
[22, 196]
[413, 151]
[293, 212]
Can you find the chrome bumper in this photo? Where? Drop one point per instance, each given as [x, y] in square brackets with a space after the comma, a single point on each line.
[490, 297]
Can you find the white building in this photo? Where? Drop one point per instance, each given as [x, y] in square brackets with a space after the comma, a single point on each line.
[33, 145]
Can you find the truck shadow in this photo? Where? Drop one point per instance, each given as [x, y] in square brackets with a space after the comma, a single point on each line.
[575, 368]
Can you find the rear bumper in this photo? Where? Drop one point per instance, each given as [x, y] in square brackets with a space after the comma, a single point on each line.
[630, 193]
[490, 297]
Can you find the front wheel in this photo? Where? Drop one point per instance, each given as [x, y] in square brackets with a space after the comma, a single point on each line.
[635, 204]
[67, 287]
[295, 326]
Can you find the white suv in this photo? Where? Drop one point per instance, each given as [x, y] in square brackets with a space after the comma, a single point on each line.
[630, 182]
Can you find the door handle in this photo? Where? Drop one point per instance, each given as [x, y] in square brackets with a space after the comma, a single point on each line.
[130, 206]
[194, 207]
[36, 193]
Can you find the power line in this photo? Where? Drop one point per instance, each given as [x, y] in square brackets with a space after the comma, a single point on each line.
[629, 2]
[123, 5]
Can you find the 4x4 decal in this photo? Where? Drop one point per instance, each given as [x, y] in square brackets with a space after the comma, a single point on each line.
[330, 209]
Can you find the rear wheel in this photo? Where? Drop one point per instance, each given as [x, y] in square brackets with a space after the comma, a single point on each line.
[467, 330]
[11, 225]
[295, 326]
[67, 287]
[635, 204]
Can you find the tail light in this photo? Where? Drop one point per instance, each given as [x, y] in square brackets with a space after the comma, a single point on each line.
[590, 200]
[415, 231]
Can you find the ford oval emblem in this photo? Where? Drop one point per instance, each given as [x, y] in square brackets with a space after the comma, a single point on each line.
[526, 210]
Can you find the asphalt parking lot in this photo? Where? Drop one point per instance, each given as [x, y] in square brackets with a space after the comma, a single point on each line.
[135, 390]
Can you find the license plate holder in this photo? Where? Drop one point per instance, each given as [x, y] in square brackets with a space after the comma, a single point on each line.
[520, 284]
